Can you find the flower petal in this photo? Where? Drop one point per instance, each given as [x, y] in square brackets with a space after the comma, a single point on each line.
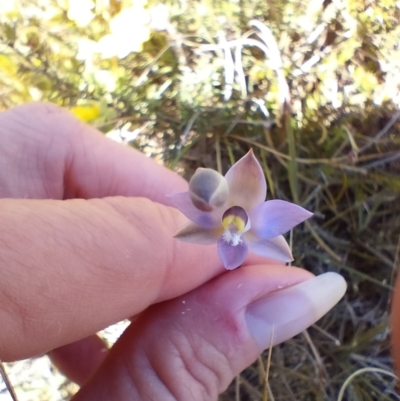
[208, 189]
[247, 186]
[199, 235]
[274, 248]
[184, 204]
[275, 217]
[231, 256]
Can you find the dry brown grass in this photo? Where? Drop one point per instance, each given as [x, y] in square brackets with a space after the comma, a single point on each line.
[313, 88]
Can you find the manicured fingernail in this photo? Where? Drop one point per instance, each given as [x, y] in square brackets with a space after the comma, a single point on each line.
[283, 314]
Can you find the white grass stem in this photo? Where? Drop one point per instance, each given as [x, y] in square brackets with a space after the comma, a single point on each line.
[360, 372]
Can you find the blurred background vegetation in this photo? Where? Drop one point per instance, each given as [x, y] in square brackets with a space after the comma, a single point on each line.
[312, 86]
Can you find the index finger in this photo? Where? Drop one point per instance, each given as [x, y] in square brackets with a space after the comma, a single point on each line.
[48, 153]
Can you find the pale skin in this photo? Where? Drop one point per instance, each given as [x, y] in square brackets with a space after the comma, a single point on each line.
[86, 240]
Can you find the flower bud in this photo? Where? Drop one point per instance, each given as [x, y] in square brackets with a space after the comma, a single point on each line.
[208, 189]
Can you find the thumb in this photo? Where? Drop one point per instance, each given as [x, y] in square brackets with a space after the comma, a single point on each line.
[191, 348]
[74, 267]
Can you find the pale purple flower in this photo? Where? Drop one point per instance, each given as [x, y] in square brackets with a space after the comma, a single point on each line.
[231, 211]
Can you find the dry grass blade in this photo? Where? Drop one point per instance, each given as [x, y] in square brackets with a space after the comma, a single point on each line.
[218, 154]
[188, 127]
[274, 55]
[353, 271]
[267, 171]
[7, 382]
[360, 372]
[266, 388]
[335, 340]
[237, 388]
[322, 243]
[229, 67]
[382, 132]
[334, 162]
[382, 161]
[292, 171]
[142, 78]
[239, 70]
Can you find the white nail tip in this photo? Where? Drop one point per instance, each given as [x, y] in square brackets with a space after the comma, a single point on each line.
[285, 313]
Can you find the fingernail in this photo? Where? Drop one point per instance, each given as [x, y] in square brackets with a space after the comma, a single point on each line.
[283, 314]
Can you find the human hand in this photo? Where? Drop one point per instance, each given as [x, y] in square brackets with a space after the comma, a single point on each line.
[86, 241]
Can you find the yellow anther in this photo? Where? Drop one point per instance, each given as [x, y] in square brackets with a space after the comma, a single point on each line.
[226, 222]
[240, 224]
[233, 220]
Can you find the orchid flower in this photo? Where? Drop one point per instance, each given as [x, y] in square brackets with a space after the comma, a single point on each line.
[231, 211]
